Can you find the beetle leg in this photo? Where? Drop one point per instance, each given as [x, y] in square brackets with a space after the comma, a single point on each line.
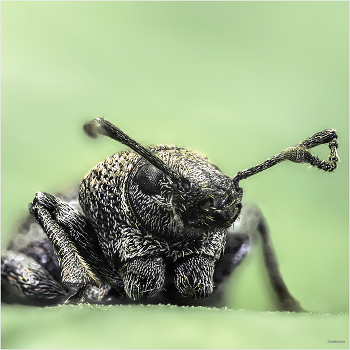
[285, 299]
[23, 280]
[75, 244]
[143, 276]
[47, 211]
[194, 275]
[253, 221]
[78, 296]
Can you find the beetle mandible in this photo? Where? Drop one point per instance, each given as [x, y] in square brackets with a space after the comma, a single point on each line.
[151, 224]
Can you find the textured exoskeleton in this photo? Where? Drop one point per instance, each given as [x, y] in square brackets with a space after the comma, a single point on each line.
[151, 224]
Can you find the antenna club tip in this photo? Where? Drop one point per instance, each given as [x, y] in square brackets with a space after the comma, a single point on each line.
[94, 128]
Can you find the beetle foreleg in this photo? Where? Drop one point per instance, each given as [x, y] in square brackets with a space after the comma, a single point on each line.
[143, 276]
[74, 241]
[194, 276]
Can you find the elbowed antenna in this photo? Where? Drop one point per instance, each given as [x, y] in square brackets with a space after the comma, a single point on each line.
[104, 127]
[299, 154]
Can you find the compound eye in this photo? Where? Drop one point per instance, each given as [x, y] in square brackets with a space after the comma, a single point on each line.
[186, 186]
[148, 178]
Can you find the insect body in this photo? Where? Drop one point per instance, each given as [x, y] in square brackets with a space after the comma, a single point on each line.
[148, 225]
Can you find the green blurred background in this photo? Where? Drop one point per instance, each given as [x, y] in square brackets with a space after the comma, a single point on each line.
[237, 81]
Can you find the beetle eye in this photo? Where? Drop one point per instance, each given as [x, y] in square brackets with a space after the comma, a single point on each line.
[148, 178]
[186, 186]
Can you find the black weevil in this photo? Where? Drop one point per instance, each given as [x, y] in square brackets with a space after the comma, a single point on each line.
[157, 224]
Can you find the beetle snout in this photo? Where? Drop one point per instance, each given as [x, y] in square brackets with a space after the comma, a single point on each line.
[215, 209]
[223, 210]
[220, 199]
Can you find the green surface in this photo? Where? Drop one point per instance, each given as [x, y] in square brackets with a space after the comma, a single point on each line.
[237, 81]
[171, 327]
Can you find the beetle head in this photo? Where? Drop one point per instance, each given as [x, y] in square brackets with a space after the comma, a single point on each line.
[199, 198]
[173, 192]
